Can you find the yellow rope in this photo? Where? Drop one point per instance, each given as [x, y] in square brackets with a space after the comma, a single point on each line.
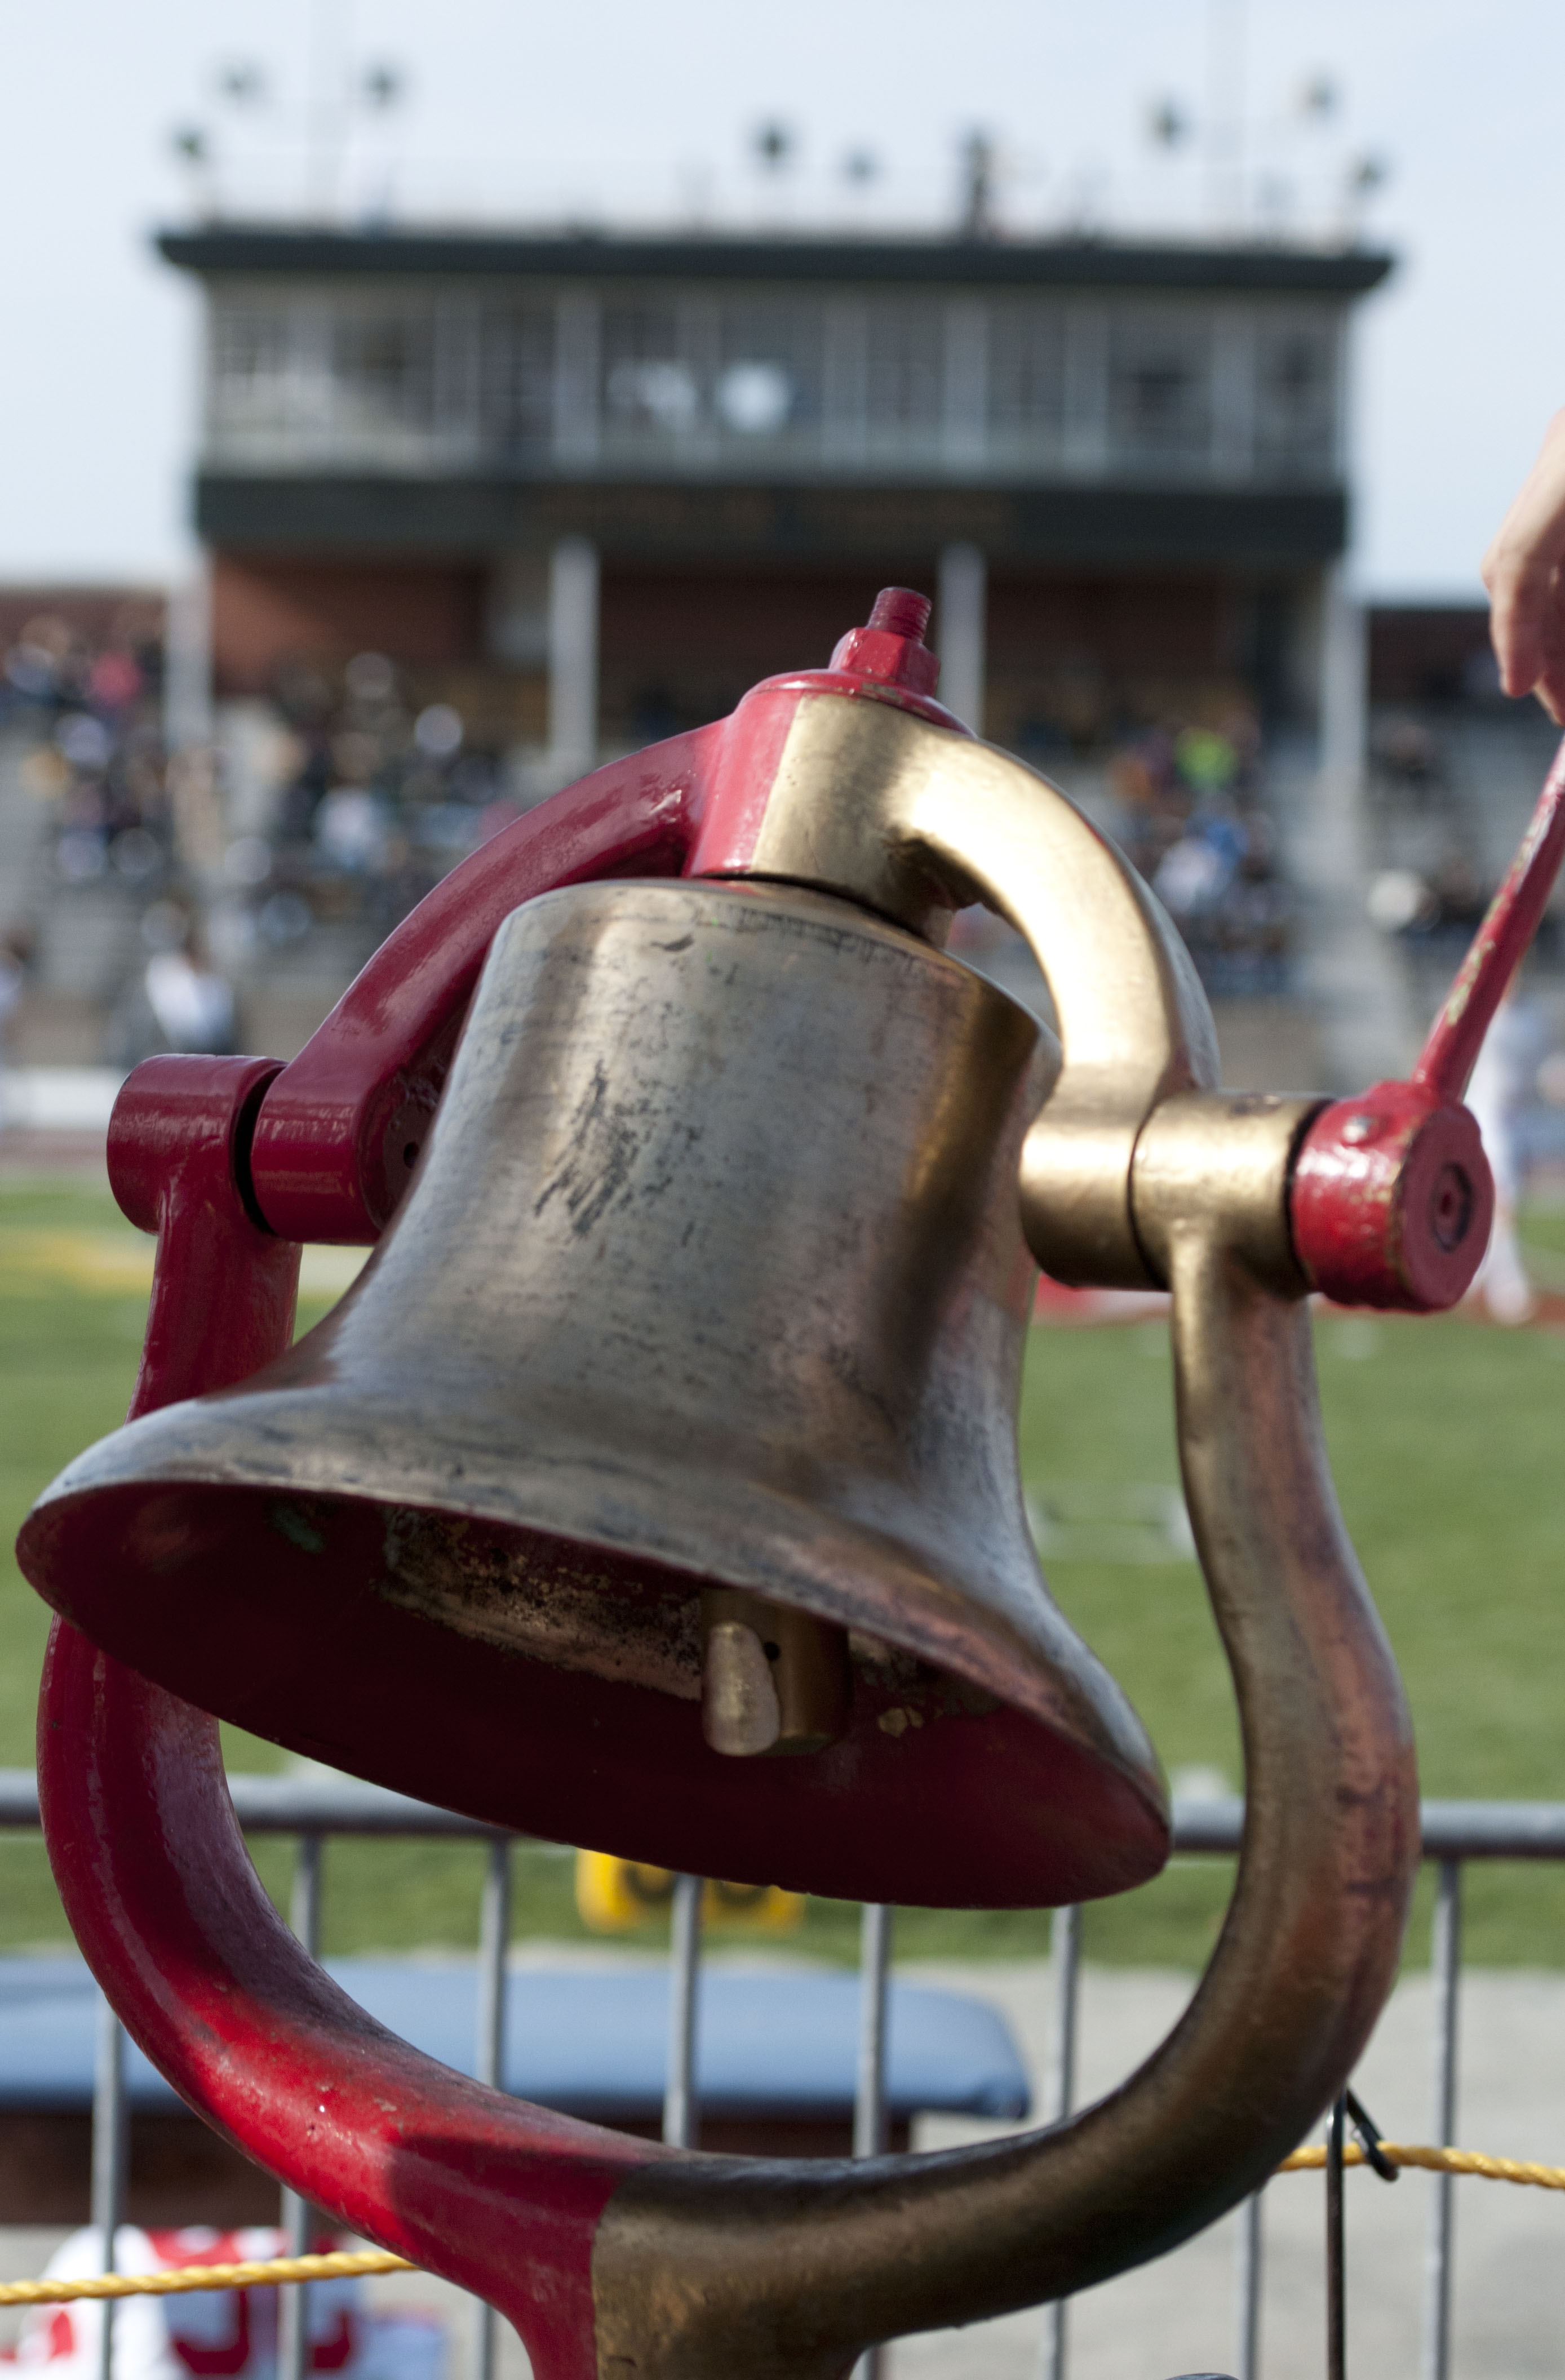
[350, 2262]
[181, 2277]
[1487, 2169]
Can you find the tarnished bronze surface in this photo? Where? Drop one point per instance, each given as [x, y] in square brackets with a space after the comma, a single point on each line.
[713, 1275]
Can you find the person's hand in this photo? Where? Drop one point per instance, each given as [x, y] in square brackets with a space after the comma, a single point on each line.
[1524, 572]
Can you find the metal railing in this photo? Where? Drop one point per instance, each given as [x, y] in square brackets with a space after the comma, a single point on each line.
[310, 1809]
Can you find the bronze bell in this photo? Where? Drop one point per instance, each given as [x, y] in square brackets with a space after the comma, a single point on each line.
[670, 1428]
[656, 1489]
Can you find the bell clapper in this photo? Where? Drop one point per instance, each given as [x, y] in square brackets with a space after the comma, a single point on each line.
[772, 1678]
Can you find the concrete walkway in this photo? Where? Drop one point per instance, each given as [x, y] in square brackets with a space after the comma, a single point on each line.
[1177, 2317]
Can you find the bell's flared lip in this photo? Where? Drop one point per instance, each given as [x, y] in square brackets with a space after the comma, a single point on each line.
[1014, 1644]
[258, 1606]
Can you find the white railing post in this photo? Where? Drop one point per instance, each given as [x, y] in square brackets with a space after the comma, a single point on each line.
[681, 2112]
[1066, 1951]
[293, 2304]
[869, 2097]
[1336, 2244]
[494, 1941]
[110, 2148]
[1446, 1976]
[1247, 2324]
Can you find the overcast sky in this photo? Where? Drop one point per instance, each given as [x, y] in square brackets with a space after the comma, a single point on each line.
[621, 113]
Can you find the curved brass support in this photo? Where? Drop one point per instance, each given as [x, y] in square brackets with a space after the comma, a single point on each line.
[706, 2267]
[870, 802]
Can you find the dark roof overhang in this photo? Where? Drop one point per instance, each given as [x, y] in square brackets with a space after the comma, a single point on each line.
[273, 251]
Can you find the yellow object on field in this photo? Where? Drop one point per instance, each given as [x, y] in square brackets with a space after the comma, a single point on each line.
[120, 1262]
[34, 1262]
[616, 1896]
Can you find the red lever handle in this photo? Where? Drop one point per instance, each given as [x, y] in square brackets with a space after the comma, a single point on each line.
[1445, 1067]
[1392, 1197]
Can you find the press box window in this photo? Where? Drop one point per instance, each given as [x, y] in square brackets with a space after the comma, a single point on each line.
[250, 365]
[1295, 397]
[517, 377]
[904, 378]
[650, 388]
[1026, 374]
[1161, 390]
[769, 372]
[383, 369]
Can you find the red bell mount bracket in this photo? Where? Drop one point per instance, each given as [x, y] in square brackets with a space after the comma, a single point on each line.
[234, 1162]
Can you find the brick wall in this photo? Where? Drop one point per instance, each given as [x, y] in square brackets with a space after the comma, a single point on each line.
[268, 610]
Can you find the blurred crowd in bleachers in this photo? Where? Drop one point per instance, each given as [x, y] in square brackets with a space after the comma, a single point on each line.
[345, 808]
[283, 852]
[330, 807]
[372, 798]
[340, 801]
[1190, 812]
[97, 768]
[1430, 819]
[81, 699]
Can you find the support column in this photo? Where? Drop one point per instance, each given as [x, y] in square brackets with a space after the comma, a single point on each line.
[1344, 684]
[188, 727]
[186, 671]
[1352, 977]
[959, 630]
[572, 659]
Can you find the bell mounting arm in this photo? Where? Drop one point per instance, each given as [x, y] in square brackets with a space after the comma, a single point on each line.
[869, 803]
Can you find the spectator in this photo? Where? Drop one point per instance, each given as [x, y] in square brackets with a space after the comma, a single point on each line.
[1501, 1078]
[1192, 820]
[179, 1002]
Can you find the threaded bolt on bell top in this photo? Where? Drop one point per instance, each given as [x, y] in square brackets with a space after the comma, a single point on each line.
[902, 611]
[890, 647]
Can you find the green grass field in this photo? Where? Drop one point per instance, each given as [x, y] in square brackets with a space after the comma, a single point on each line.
[1447, 1442]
